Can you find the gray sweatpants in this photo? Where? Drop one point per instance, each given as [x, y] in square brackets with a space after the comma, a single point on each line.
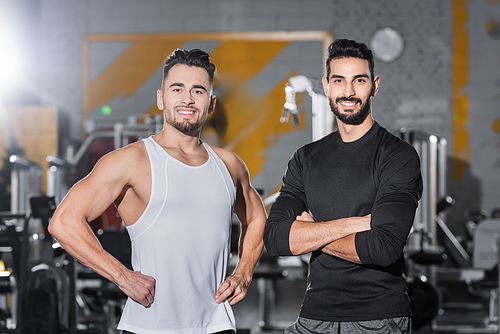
[385, 326]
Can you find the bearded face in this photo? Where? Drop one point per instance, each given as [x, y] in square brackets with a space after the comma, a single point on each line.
[186, 125]
[350, 116]
[186, 99]
[349, 89]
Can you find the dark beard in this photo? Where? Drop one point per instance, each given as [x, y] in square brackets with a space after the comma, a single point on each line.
[351, 118]
[186, 127]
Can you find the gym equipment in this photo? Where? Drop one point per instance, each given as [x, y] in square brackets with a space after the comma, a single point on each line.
[60, 177]
[61, 172]
[322, 118]
[45, 302]
[422, 251]
[424, 301]
[26, 181]
[486, 238]
[106, 295]
[51, 284]
[121, 134]
[432, 152]
[46, 305]
[13, 234]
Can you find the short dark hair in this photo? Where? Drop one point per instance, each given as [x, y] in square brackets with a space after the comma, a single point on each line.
[194, 57]
[347, 48]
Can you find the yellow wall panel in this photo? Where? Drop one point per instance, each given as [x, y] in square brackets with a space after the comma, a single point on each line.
[35, 129]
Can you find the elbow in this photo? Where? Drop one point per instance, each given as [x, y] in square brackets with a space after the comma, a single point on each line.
[56, 227]
[379, 248]
[269, 245]
[378, 253]
[276, 241]
[387, 261]
[385, 258]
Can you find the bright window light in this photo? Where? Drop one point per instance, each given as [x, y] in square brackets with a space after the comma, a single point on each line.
[10, 60]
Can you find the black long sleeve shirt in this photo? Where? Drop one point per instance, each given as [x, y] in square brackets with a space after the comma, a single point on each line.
[332, 179]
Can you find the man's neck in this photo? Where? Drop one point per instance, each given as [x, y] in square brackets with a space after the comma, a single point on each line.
[350, 132]
[171, 137]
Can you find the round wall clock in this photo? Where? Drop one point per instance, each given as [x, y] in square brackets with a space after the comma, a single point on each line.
[387, 44]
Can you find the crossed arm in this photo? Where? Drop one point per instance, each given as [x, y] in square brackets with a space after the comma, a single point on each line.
[301, 234]
[376, 239]
[335, 237]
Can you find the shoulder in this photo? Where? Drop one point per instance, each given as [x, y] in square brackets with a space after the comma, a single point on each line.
[395, 154]
[314, 150]
[394, 145]
[124, 159]
[233, 162]
[132, 151]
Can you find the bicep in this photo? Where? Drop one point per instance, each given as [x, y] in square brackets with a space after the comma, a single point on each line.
[248, 205]
[92, 195]
[292, 200]
[393, 213]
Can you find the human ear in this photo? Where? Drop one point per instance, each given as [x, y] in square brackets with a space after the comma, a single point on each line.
[211, 108]
[159, 99]
[326, 86]
[376, 83]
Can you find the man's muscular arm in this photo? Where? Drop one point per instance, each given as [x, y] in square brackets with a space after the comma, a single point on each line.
[251, 213]
[88, 199]
[307, 236]
[342, 247]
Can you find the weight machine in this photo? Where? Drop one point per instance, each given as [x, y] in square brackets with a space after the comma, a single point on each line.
[323, 120]
[61, 171]
[431, 243]
[26, 181]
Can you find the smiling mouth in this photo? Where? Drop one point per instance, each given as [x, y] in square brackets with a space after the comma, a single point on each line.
[348, 103]
[185, 112]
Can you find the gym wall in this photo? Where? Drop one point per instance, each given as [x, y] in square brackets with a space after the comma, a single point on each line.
[445, 83]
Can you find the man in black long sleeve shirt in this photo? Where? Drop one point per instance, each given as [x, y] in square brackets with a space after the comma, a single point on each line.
[350, 199]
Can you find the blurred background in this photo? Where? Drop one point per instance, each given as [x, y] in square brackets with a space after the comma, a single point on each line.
[79, 79]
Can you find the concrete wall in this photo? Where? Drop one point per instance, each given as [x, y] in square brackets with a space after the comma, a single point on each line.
[419, 90]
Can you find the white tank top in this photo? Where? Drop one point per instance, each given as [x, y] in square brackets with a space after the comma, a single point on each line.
[183, 240]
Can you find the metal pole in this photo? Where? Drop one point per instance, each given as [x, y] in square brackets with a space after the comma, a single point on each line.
[433, 188]
[118, 127]
[424, 201]
[56, 172]
[498, 275]
[26, 179]
[14, 190]
[442, 168]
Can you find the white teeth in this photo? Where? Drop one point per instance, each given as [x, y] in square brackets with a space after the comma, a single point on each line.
[185, 112]
[348, 103]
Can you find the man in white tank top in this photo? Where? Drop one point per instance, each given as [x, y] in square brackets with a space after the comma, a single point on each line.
[176, 195]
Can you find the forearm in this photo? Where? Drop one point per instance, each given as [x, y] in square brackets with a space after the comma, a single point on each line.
[308, 236]
[343, 248]
[79, 240]
[249, 249]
